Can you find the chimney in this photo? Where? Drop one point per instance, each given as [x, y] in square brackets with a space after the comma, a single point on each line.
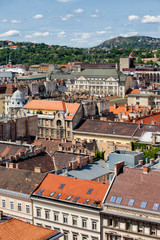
[152, 161]
[37, 169]
[7, 164]
[17, 165]
[145, 169]
[11, 165]
[115, 105]
[140, 162]
[118, 168]
[73, 141]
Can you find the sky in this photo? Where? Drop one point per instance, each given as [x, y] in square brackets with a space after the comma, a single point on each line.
[77, 23]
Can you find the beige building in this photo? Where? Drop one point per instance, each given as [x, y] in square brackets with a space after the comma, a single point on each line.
[71, 206]
[131, 208]
[56, 119]
[15, 189]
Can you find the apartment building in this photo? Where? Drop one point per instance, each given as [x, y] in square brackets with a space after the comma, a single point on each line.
[69, 205]
[15, 189]
[131, 208]
[56, 119]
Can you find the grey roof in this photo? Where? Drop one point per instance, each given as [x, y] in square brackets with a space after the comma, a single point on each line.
[90, 171]
[6, 74]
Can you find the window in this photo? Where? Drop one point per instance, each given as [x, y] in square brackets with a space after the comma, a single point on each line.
[51, 131]
[153, 230]
[140, 227]
[19, 207]
[59, 123]
[84, 238]
[27, 209]
[84, 223]
[74, 221]
[68, 124]
[3, 203]
[94, 225]
[56, 217]
[65, 235]
[75, 237]
[110, 222]
[128, 226]
[11, 205]
[38, 212]
[65, 218]
[116, 223]
[68, 133]
[46, 214]
[46, 132]
[47, 226]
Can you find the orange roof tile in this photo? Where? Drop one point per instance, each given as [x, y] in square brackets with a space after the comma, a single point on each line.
[149, 119]
[15, 229]
[71, 110]
[135, 91]
[74, 188]
[46, 105]
[122, 109]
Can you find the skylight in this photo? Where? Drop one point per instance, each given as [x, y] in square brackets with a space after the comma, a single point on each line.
[40, 192]
[59, 194]
[69, 197]
[119, 200]
[51, 194]
[87, 201]
[143, 204]
[131, 202]
[90, 190]
[62, 185]
[76, 199]
[113, 199]
[155, 206]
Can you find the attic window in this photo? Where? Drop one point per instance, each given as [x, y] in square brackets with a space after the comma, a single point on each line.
[62, 185]
[69, 197]
[119, 200]
[90, 190]
[52, 193]
[59, 194]
[40, 192]
[69, 114]
[143, 204]
[131, 202]
[87, 200]
[76, 199]
[113, 199]
[155, 206]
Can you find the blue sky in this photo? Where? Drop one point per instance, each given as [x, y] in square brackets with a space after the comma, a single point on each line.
[78, 23]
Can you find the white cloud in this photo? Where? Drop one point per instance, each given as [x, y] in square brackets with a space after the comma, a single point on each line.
[150, 19]
[28, 36]
[81, 37]
[37, 16]
[10, 33]
[39, 34]
[94, 16]
[4, 20]
[97, 10]
[101, 32]
[108, 28]
[15, 21]
[129, 34]
[133, 17]
[61, 34]
[79, 10]
[67, 17]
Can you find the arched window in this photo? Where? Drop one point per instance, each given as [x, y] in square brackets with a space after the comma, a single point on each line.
[59, 123]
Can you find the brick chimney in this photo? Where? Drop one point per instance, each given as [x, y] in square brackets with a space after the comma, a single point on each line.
[118, 167]
[140, 162]
[11, 165]
[154, 138]
[115, 105]
[145, 169]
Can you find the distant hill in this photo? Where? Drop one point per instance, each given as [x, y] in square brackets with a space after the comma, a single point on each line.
[134, 42]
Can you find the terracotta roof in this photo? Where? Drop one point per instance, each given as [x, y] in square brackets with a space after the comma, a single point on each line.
[21, 181]
[46, 105]
[51, 146]
[74, 188]
[8, 150]
[10, 89]
[122, 109]
[149, 119]
[42, 160]
[71, 110]
[135, 91]
[134, 184]
[15, 229]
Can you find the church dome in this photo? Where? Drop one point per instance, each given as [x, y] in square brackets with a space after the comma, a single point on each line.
[18, 95]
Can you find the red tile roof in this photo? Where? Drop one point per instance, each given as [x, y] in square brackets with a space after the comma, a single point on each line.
[15, 229]
[46, 105]
[122, 109]
[151, 118]
[71, 110]
[74, 188]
